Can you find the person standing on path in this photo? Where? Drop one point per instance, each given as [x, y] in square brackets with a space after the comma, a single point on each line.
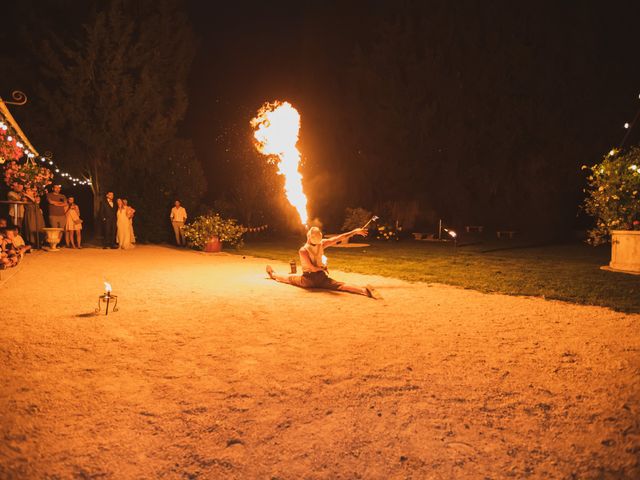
[32, 218]
[73, 228]
[16, 211]
[130, 213]
[57, 208]
[108, 218]
[178, 217]
[123, 226]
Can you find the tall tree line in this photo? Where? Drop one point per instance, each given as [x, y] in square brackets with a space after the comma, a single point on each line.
[471, 110]
[110, 100]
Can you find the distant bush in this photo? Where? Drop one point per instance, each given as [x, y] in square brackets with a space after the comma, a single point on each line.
[200, 231]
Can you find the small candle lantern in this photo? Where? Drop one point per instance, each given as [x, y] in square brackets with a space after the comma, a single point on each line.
[107, 297]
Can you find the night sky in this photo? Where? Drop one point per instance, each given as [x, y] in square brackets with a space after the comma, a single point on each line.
[252, 52]
[303, 52]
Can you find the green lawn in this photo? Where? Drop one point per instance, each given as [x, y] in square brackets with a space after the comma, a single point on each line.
[562, 272]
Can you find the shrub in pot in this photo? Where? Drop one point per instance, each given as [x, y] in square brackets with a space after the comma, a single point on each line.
[613, 199]
[211, 229]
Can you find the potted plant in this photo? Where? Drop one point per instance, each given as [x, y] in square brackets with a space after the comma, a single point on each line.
[29, 174]
[9, 149]
[613, 199]
[208, 232]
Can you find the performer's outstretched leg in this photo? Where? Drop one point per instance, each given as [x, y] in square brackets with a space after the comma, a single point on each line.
[328, 283]
[276, 277]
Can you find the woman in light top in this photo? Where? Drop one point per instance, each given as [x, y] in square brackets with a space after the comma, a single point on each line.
[73, 227]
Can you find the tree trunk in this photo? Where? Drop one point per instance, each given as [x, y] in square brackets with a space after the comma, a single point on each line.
[97, 196]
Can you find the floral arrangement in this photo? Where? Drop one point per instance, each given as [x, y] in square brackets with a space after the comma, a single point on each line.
[9, 150]
[28, 174]
[204, 227]
[387, 232]
[613, 194]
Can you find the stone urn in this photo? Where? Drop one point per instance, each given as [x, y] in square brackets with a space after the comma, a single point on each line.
[625, 251]
[214, 245]
[54, 235]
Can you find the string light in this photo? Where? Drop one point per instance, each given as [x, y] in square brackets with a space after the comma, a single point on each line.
[12, 138]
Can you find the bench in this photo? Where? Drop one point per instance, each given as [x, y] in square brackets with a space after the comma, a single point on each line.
[422, 236]
[505, 233]
[474, 228]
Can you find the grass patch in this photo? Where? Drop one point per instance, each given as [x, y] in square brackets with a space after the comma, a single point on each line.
[563, 272]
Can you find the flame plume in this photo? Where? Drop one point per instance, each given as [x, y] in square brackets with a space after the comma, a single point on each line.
[276, 132]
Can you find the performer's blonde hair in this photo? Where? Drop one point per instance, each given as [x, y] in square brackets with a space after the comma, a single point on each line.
[314, 235]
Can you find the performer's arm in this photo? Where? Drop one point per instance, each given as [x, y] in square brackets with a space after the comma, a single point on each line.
[329, 242]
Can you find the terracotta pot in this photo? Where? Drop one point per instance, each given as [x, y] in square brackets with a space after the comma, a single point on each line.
[625, 251]
[213, 245]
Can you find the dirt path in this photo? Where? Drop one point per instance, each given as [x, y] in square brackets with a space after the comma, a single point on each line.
[211, 371]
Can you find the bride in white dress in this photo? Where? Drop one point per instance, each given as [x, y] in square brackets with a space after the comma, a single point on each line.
[123, 226]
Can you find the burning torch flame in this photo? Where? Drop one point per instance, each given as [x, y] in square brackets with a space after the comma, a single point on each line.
[107, 287]
[276, 132]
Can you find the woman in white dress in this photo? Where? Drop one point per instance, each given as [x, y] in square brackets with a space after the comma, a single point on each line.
[130, 213]
[123, 226]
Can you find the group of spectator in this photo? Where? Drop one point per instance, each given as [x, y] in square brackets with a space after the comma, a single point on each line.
[117, 222]
[116, 217]
[27, 218]
[23, 229]
[12, 245]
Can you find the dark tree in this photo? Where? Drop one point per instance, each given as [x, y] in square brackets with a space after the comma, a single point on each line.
[115, 98]
[472, 111]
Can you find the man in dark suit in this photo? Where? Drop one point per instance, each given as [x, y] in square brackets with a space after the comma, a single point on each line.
[108, 210]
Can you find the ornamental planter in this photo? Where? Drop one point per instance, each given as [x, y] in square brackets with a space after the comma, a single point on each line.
[213, 245]
[54, 235]
[625, 251]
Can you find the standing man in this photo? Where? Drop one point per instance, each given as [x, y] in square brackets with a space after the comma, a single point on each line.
[178, 217]
[16, 211]
[57, 208]
[108, 211]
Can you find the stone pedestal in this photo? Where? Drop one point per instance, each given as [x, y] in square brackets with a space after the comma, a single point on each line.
[625, 251]
[54, 235]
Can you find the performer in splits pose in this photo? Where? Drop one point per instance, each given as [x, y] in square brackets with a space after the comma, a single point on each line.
[314, 273]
